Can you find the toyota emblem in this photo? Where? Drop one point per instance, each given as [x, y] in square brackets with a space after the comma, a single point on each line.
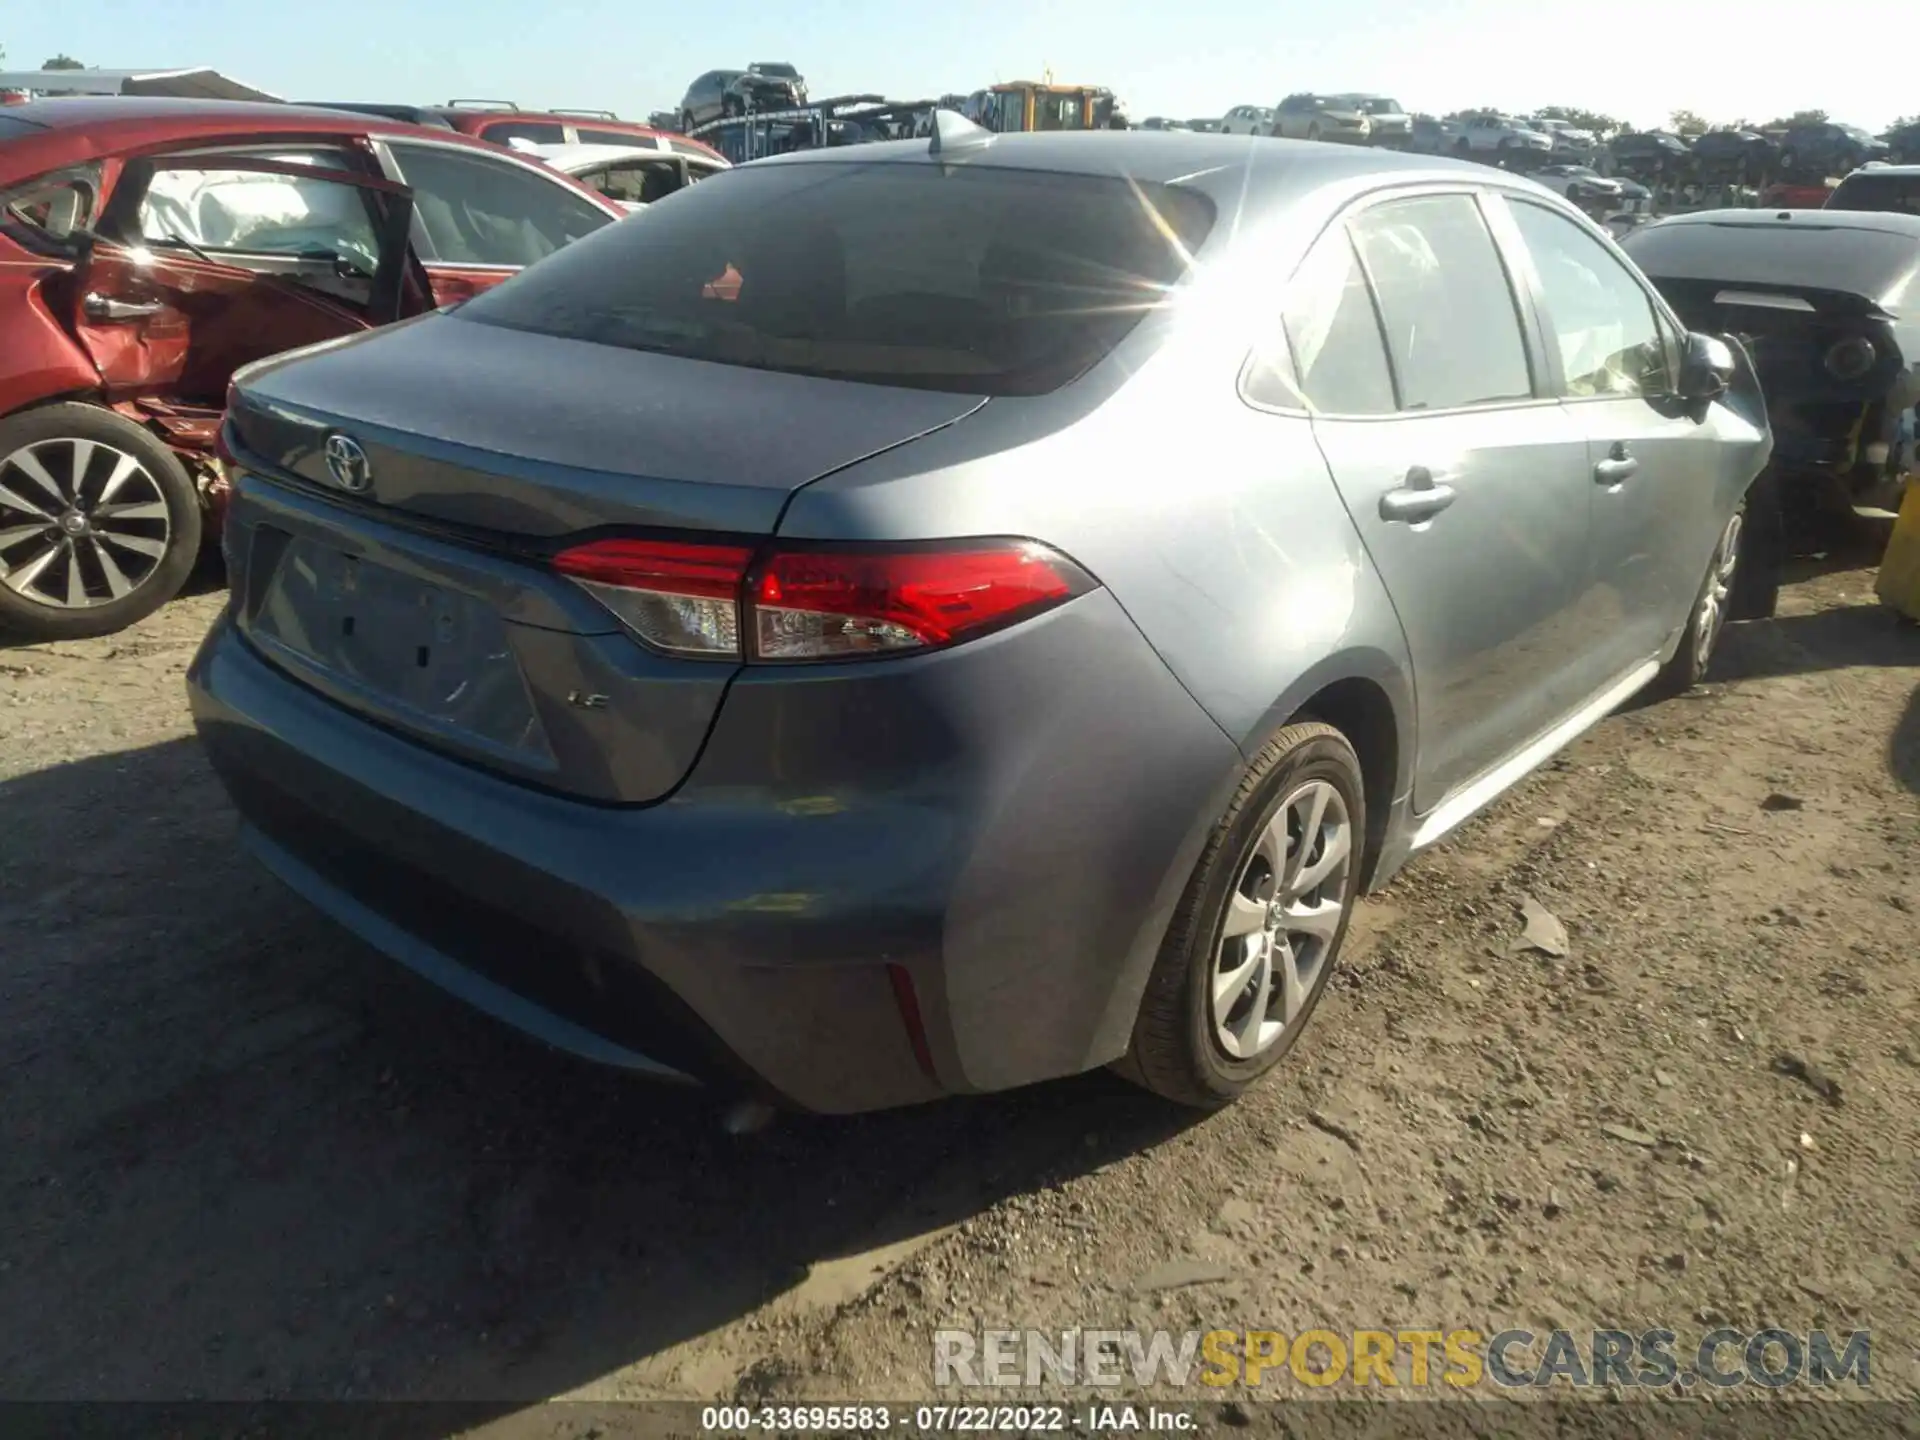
[347, 463]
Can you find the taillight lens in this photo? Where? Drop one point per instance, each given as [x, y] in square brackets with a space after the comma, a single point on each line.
[826, 603]
[680, 597]
[821, 604]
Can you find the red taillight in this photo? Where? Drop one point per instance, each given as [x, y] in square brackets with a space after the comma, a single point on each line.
[811, 605]
[677, 596]
[826, 603]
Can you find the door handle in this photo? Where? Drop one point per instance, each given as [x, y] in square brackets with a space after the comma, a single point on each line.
[1619, 466]
[105, 307]
[1420, 499]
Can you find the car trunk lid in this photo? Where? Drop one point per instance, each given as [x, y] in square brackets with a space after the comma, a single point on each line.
[400, 497]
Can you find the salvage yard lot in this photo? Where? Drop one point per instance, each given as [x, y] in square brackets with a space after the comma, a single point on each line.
[242, 1156]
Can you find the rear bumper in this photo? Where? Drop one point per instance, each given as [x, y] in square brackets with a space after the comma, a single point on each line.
[1008, 825]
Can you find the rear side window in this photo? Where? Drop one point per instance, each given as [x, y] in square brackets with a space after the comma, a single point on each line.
[534, 132]
[1453, 330]
[1340, 363]
[972, 279]
[46, 210]
[254, 212]
[636, 181]
[477, 210]
[1867, 190]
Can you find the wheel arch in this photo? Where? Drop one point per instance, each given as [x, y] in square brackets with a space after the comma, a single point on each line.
[1368, 697]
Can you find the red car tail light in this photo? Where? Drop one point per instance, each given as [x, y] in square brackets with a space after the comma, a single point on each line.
[827, 603]
[677, 596]
[819, 603]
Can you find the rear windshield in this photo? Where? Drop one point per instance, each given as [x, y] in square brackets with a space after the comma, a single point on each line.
[1874, 263]
[1864, 190]
[977, 280]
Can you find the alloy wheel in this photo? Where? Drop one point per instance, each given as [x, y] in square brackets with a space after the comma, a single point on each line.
[1283, 914]
[1712, 616]
[82, 523]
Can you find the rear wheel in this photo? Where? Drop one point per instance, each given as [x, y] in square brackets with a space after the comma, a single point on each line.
[99, 523]
[686, 122]
[1313, 132]
[1255, 937]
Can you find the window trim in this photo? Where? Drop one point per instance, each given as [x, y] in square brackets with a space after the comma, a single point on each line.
[1672, 331]
[1526, 312]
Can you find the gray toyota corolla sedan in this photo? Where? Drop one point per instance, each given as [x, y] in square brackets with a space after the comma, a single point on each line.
[927, 617]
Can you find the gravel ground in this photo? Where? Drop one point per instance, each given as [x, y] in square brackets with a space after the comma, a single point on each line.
[243, 1157]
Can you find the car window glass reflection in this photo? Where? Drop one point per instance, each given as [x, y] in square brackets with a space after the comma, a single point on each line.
[1334, 335]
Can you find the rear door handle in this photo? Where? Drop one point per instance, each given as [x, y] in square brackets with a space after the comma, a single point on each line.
[1619, 466]
[1420, 499]
[105, 307]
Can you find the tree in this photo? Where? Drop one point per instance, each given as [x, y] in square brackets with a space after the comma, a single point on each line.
[1688, 124]
[62, 61]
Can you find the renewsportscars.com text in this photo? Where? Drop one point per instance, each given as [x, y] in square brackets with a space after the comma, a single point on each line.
[1770, 1358]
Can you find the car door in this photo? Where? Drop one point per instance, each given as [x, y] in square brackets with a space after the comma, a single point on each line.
[1469, 489]
[480, 218]
[201, 264]
[1654, 460]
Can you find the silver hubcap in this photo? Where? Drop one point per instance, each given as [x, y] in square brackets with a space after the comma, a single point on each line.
[1713, 599]
[81, 523]
[1282, 917]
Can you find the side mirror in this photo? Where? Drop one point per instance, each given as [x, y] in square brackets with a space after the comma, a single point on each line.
[1706, 368]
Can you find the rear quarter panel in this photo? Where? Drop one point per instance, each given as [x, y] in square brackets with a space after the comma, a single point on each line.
[39, 360]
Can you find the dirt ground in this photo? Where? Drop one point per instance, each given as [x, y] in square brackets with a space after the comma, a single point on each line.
[243, 1157]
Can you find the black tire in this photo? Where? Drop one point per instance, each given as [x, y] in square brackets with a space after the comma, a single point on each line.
[1462, 148]
[156, 579]
[686, 122]
[1313, 132]
[1175, 1051]
[1694, 657]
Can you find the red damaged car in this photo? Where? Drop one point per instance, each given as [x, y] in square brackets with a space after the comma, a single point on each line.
[149, 248]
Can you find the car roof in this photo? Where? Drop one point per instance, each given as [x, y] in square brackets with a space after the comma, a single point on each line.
[1215, 163]
[1891, 222]
[1876, 168]
[80, 128]
[572, 158]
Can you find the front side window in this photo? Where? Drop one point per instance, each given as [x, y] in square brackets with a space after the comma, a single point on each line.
[257, 212]
[1339, 364]
[1453, 329]
[477, 210]
[976, 280]
[636, 182]
[1602, 322]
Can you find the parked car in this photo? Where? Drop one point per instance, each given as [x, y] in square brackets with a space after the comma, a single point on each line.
[147, 248]
[781, 70]
[1320, 117]
[1162, 122]
[1648, 152]
[500, 122]
[1388, 124]
[1829, 149]
[633, 179]
[1894, 188]
[818, 587]
[1428, 136]
[721, 93]
[1581, 184]
[1492, 134]
[1570, 144]
[1744, 155]
[1828, 302]
[1206, 127]
[1248, 120]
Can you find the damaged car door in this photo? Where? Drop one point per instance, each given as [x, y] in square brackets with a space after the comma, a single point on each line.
[202, 264]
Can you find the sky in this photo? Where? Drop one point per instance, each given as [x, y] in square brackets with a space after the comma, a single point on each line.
[1635, 59]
